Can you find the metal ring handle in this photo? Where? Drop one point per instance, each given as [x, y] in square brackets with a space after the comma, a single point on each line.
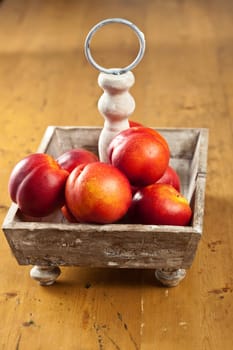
[99, 25]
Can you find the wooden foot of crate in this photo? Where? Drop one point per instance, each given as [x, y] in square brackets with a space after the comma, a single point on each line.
[169, 277]
[45, 275]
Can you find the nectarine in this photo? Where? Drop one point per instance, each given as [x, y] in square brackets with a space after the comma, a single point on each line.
[74, 157]
[170, 177]
[140, 155]
[160, 204]
[97, 193]
[132, 123]
[67, 214]
[37, 184]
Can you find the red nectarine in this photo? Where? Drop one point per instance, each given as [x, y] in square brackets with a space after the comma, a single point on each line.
[140, 155]
[37, 184]
[160, 204]
[97, 193]
[132, 123]
[67, 214]
[170, 177]
[74, 157]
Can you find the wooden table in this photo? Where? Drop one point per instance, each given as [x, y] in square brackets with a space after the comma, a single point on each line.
[184, 80]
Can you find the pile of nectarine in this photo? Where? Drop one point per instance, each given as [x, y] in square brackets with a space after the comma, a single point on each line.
[138, 184]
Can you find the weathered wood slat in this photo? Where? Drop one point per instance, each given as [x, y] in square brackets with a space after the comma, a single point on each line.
[90, 245]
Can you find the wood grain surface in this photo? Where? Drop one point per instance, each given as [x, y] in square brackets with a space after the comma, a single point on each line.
[184, 80]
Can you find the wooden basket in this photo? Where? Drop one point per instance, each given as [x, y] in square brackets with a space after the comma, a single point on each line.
[52, 242]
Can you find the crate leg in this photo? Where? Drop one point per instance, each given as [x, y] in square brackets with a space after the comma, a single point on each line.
[170, 277]
[45, 275]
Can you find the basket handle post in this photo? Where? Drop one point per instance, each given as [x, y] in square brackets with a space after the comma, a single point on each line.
[116, 104]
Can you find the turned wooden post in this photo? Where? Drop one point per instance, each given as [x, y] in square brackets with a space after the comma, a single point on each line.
[116, 105]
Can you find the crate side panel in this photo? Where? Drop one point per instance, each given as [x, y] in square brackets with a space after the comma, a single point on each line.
[120, 249]
[69, 138]
[191, 250]
[198, 164]
[182, 142]
[198, 202]
[182, 167]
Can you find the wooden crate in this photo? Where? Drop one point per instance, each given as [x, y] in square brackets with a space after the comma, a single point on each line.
[52, 242]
